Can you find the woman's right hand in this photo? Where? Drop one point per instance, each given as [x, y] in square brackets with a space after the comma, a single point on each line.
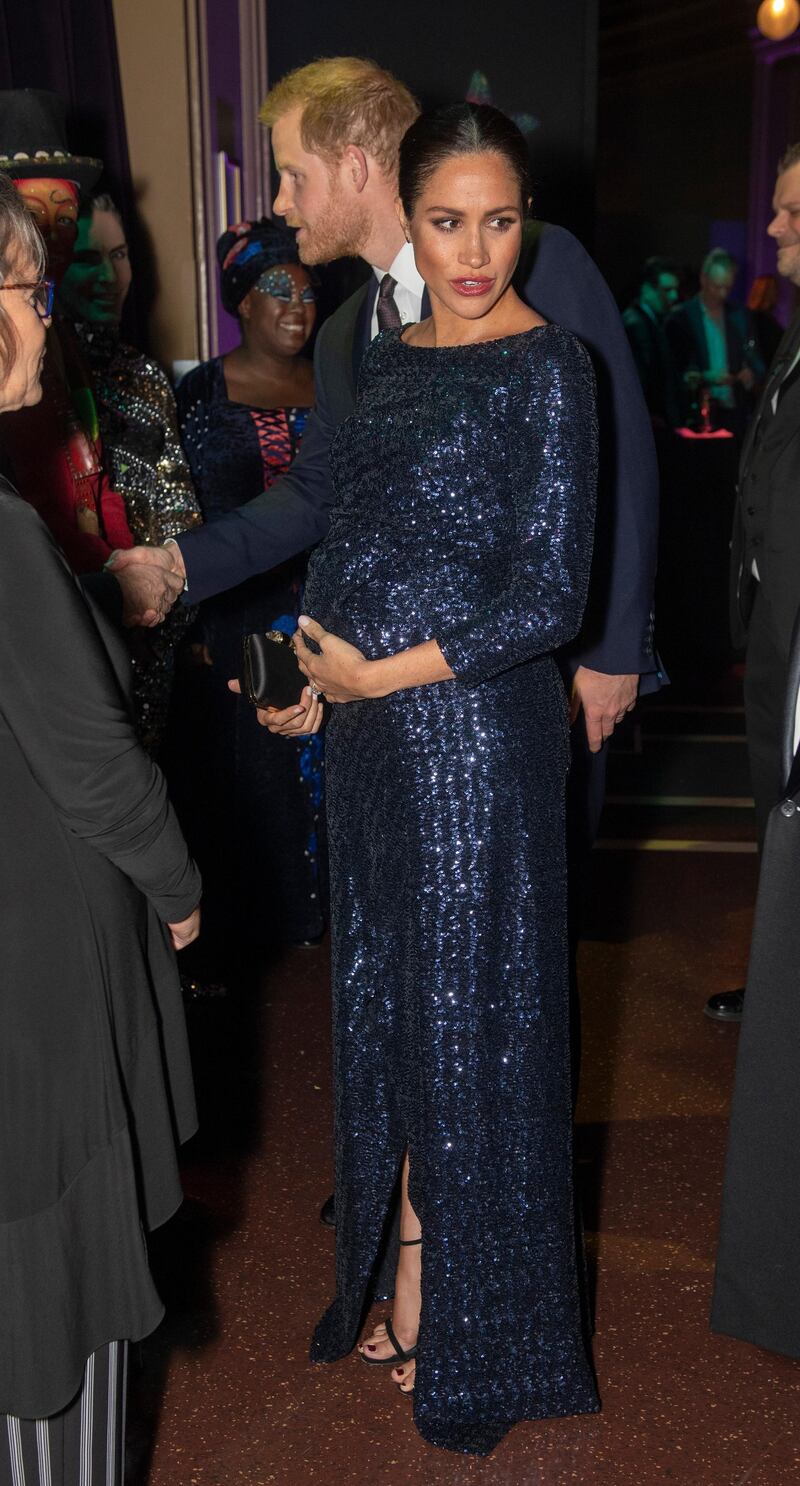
[186, 931]
[292, 722]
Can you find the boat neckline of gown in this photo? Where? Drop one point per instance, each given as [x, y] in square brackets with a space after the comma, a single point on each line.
[494, 340]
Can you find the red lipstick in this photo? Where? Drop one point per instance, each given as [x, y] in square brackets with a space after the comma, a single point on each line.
[472, 287]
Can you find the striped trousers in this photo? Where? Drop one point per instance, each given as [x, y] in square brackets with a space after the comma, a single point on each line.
[84, 1445]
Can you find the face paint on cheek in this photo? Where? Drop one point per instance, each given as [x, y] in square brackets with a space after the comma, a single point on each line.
[54, 205]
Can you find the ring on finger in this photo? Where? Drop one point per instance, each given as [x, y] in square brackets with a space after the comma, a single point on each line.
[315, 691]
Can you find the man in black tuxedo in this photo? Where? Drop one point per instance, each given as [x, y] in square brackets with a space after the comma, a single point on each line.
[644, 327]
[765, 549]
[336, 130]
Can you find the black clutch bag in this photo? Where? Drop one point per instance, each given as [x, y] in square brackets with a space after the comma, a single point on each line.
[270, 675]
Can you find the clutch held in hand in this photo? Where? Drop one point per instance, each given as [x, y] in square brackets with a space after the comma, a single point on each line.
[269, 674]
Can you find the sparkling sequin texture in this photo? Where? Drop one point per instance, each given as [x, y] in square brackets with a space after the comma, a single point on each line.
[139, 425]
[465, 484]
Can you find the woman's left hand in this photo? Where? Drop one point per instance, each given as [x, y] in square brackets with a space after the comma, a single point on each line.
[339, 672]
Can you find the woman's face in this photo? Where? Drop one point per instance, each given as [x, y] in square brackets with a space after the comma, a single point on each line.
[279, 312]
[22, 387]
[467, 232]
[98, 278]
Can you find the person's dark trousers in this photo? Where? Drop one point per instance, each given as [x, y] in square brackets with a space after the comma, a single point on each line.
[764, 699]
[84, 1443]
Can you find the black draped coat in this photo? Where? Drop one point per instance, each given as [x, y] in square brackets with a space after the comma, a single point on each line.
[95, 1084]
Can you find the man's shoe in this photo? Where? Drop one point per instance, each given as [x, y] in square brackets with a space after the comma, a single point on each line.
[327, 1213]
[727, 1006]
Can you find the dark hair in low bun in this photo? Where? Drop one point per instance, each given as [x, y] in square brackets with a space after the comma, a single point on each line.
[459, 129]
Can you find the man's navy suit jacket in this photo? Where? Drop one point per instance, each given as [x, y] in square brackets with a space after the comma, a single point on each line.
[561, 282]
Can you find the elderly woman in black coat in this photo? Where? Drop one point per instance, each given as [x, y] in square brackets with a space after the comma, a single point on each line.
[97, 890]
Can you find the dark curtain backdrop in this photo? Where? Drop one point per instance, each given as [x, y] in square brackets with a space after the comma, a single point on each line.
[539, 58]
[70, 47]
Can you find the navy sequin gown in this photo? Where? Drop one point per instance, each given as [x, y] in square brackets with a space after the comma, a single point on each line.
[465, 483]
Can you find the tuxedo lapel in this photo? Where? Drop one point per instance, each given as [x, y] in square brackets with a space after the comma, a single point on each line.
[766, 425]
[786, 357]
[363, 327]
[789, 383]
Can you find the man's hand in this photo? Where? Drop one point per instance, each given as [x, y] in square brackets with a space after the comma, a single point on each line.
[186, 931]
[604, 701]
[151, 579]
[168, 556]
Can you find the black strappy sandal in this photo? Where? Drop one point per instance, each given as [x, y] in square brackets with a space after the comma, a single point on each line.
[399, 1354]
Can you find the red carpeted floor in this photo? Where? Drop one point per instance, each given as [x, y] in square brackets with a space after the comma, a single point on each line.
[224, 1393]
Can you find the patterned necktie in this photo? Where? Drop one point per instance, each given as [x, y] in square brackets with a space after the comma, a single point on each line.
[388, 313]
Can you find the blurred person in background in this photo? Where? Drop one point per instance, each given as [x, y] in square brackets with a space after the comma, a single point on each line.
[139, 429]
[713, 345]
[644, 326]
[97, 891]
[242, 416]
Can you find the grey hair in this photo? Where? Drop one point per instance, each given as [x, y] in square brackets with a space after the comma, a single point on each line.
[19, 240]
[19, 235]
[719, 258]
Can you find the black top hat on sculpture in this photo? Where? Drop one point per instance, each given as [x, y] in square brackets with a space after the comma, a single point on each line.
[33, 139]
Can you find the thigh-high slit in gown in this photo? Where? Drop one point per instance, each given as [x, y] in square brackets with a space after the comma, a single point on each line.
[465, 487]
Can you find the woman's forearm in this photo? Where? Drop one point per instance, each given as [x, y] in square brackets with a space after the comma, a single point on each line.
[419, 666]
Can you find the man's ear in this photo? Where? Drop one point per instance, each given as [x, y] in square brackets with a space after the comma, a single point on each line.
[401, 217]
[355, 165]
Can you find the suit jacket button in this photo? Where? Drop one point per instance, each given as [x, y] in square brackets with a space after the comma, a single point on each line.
[788, 807]
[751, 510]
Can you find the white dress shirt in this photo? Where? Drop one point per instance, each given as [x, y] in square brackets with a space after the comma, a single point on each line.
[776, 394]
[409, 291]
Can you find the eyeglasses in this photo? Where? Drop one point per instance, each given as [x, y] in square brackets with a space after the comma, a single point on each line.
[43, 295]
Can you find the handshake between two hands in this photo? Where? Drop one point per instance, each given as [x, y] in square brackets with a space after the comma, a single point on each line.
[151, 579]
